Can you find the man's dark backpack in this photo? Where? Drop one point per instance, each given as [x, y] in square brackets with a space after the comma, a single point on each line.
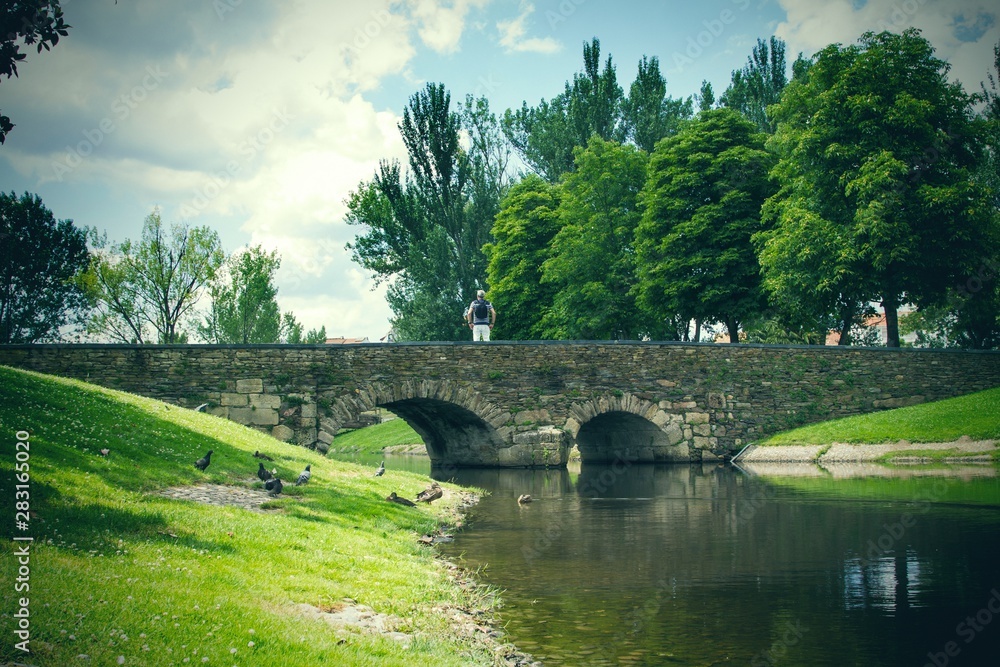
[481, 311]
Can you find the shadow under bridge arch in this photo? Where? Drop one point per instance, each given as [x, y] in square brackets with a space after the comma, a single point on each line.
[625, 428]
[454, 424]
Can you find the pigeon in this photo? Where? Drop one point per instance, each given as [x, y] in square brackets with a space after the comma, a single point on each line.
[381, 469]
[304, 476]
[273, 486]
[203, 462]
[393, 498]
[201, 408]
[523, 498]
[258, 455]
[105, 452]
[430, 494]
[263, 473]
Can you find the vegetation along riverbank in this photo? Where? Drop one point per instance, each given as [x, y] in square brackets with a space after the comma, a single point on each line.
[140, 558]
[965, 428]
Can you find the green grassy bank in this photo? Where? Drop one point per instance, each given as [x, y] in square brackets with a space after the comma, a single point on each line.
[375, 438]
[976, 416]
[125, 576]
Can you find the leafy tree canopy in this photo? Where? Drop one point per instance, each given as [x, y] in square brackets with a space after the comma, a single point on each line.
[144, 291]
[876, 151]
[40, 260]
[31, 22]
[701, 206]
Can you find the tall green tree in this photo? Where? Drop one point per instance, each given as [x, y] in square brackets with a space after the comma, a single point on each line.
[592, 265]
[424, 228]
[546, 136]
[244, 307]
[145, 291]
[759, 84]
[31, 22]
[523, 231]
[40, 260]
[701, 206]
[877, 150]
[648, 113]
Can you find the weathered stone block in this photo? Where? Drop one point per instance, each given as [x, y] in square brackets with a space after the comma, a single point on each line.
[264, 417]
[242, 415]
[254, 386]
[309, 410]
[265, 401]
[237, 400]
[283, 433]
[696, 417]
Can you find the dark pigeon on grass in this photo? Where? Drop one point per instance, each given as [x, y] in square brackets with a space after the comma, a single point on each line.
[304, 476]
[393, 498]
[263, 473]
[203, 462]
[258, 455]
[273, 486]
[381, 469]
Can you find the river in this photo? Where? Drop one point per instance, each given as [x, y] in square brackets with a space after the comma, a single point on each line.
[637, 564]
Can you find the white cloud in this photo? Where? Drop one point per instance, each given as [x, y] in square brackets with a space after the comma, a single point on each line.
[512, 34]
[440, 24]
[962, 31]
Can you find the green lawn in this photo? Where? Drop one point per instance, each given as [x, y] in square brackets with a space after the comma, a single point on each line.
[126, 576]
[974, 415]
[375, 438]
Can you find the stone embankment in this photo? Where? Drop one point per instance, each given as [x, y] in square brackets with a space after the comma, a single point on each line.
[963, 450]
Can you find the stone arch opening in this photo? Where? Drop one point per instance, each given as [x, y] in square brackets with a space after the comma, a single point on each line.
[619, 435]
[452, 434]
[457, 426]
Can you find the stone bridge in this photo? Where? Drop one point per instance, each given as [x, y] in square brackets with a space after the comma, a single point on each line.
[528, 404]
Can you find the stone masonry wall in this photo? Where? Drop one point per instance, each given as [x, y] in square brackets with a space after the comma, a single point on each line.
[530, 400]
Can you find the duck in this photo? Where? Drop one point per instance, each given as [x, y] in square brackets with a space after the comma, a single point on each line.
[523, 498]
[430, 494]
[393, 498]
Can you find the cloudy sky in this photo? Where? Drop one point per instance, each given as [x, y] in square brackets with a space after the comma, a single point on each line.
[258, 118]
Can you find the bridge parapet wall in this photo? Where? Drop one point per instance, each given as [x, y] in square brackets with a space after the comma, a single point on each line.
[506, 403]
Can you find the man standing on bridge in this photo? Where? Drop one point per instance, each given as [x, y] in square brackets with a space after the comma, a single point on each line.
[481, 317]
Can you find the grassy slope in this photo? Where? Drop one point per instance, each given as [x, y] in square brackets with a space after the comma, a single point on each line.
[116, 571]
[376, 437]
[974, 415]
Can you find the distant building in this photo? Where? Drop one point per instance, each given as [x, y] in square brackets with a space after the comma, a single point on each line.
[877, 322]
[346, 341]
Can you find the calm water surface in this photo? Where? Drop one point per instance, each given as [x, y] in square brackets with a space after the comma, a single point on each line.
[710, 565]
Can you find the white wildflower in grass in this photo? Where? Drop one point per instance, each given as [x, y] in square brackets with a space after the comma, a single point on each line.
[251, 644]
[121, 660]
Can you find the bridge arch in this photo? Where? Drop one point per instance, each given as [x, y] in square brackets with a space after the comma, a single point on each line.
[458, 426]
[624, 426]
